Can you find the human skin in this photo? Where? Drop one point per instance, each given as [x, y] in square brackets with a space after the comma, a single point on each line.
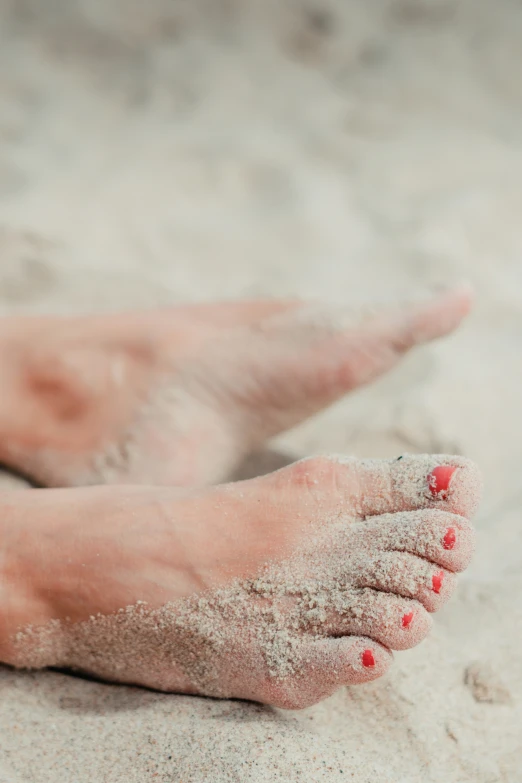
[278, 589]
[180, 396]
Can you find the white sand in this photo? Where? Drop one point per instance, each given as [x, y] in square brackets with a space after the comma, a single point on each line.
[168, 151]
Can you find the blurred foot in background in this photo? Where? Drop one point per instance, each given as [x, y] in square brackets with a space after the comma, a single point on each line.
[181, 396]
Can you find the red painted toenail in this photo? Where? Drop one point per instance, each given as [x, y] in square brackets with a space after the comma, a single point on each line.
[439, 481]
[368, 659]
[450, 538]
[406, 620]
[436, 581]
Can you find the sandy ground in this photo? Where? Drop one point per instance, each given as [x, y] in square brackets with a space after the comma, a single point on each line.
[169, 151]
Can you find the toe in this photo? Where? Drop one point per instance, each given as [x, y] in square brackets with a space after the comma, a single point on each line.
[342, 347]
[327, 665]
[410, 482]
[408, 576]
[446, 539]
[395, 622]
[438, 316]
[305, 358]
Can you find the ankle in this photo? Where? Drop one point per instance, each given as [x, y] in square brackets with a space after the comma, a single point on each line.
[26, 389]
[54, 386]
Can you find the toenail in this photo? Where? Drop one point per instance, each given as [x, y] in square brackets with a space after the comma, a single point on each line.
[406, 620]
[450, 538]
[368, 659]
[439, 481]
[436, 581]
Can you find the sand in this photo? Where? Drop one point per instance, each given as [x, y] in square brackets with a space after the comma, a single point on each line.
[162, 152]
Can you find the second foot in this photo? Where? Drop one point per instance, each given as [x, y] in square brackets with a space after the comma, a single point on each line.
[180, 397]
[280, 589]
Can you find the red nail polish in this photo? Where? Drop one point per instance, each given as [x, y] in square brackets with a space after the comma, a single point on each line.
[368, 659]
[406, 620]
[436, 581]
[439, 481]
[450, 538]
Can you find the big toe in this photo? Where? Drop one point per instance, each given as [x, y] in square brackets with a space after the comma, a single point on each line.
[412, 481]
[437, 316]
[370, 487]
[307, 357]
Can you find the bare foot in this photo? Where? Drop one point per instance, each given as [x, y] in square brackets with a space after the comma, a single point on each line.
[179, 397]
[280, 589]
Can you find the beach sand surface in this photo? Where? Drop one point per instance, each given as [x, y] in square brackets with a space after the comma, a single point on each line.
[162, 152]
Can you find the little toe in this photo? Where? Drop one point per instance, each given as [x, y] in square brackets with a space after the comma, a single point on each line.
[444, 538]
[327, 665]
[413, 481]
[397, 623]
[409, 576]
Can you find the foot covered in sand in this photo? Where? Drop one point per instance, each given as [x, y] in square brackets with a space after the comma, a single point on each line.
[180, 397]
[279, 589]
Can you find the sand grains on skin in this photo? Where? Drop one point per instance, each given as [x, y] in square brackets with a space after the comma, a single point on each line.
[361, 581]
